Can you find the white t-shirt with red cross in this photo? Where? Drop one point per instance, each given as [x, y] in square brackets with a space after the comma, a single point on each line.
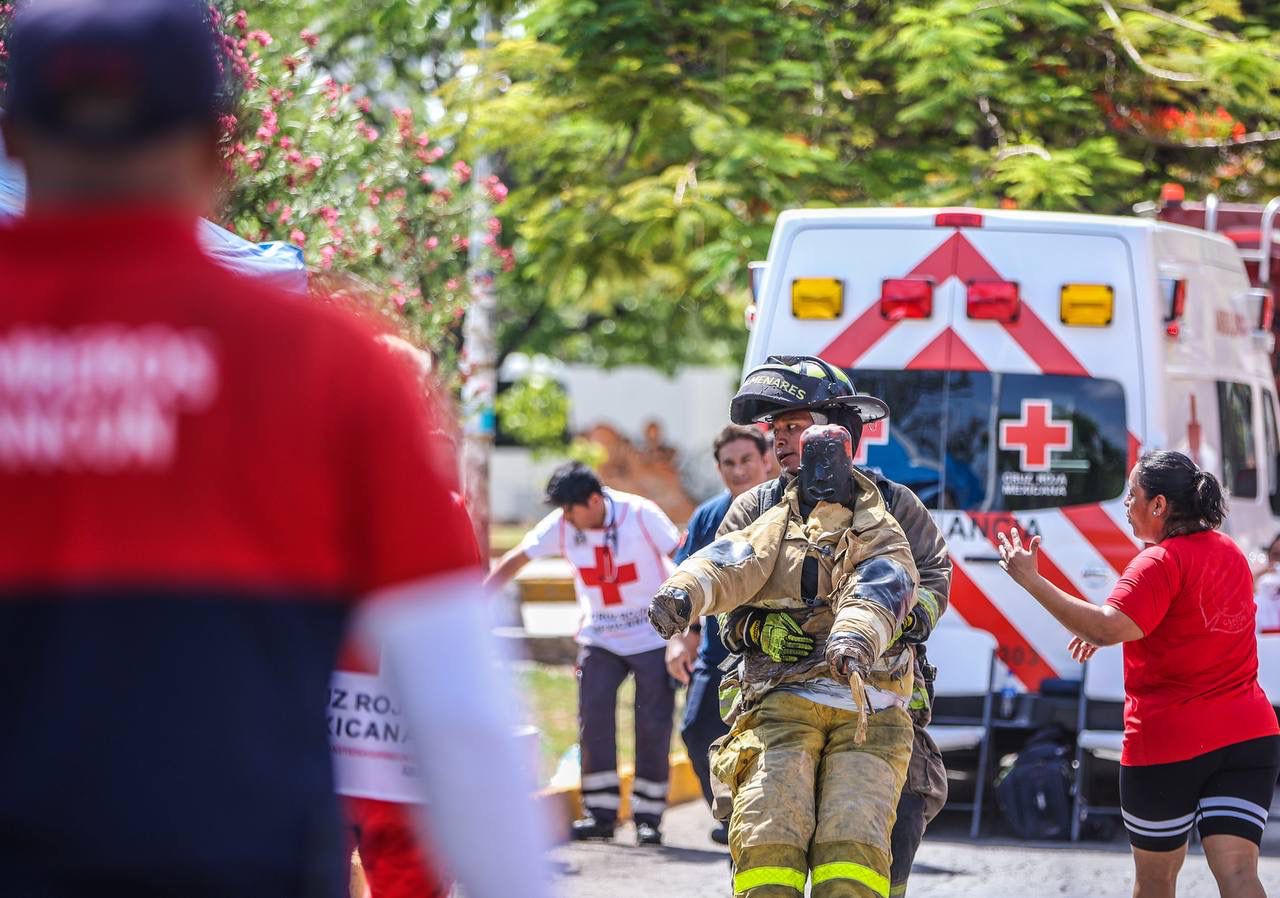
[618, 568]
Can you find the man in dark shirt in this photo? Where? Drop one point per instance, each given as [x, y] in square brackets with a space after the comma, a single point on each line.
[740, 460]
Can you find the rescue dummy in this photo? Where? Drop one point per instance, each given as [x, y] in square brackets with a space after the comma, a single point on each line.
[820, 742]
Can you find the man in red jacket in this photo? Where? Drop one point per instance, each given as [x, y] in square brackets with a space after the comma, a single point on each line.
[202, 480]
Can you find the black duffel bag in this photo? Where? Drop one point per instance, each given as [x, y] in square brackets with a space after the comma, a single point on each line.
[1034, 793]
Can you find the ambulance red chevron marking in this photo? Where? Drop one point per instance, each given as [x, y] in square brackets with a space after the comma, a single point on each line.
[1048, 352]
[993, 523]
[948, 351]
[971, 265]
[979, 611]
[939, 264]
[1102, 532]
[854, 341]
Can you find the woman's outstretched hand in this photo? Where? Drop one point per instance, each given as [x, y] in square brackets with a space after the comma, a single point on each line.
[1019, 562]
[1080, 650]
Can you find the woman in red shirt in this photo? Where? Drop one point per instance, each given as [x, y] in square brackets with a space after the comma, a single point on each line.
[1201, 741]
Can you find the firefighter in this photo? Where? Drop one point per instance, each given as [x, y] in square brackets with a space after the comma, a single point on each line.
[821, 742]
[791, 393]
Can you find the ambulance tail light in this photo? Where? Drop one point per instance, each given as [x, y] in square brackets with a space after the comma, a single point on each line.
[993, 300]
[1175, 299]
[1087, 305]
[1263, 306]
[958, 220]
[906, 298]
[817, 298]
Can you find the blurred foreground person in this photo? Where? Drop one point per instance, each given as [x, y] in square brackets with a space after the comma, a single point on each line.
[201, 480]
[1201, 742]
[380, 799]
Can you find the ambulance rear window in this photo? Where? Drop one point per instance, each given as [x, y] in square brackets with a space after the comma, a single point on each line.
[981, 441]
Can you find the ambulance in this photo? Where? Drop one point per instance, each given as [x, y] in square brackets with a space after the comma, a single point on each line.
[1028, 359]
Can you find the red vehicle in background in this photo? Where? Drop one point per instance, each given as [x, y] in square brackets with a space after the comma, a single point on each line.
[1250, 226]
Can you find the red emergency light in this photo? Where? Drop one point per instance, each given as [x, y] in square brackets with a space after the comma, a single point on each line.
[906, 298]
[1267, 312]
[993, 300]
[958, 220]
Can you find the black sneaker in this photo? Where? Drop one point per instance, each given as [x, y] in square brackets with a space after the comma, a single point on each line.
[720, 835]
[648, 834]
[590, 828]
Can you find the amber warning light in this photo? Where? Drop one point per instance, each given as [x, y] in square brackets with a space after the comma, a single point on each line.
[821, 298]
[1087, 305]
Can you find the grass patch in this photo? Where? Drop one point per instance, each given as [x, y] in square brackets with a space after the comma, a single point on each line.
[551, 698]
[505, 537]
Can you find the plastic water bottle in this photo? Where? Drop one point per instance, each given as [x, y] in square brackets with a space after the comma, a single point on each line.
[569, 770]
[1007, 695]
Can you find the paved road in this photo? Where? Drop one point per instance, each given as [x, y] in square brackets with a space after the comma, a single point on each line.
[948, 866]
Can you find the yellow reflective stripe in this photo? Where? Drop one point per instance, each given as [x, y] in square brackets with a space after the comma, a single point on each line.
[769, 876]
[857, 872]
[898, 891]
[926, 599]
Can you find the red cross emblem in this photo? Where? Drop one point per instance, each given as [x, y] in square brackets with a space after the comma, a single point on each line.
[874, 434]
[608, 576]
[1036, 436]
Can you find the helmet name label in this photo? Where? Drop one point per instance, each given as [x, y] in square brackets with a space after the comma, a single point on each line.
[768, 380]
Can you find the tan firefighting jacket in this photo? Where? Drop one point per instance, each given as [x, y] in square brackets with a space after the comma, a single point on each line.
[866, 584]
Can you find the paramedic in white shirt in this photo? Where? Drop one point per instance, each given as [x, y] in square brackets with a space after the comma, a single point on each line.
[1266, 590]
[620, 547]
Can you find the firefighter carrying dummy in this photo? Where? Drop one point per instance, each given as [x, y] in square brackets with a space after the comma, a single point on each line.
[820, 743]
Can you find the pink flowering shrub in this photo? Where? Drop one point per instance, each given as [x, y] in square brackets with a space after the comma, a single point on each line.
[377, 205]
[362, 188]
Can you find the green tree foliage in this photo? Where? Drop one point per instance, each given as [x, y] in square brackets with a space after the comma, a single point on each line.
[535, 412]
[354, 173]
[651, 144]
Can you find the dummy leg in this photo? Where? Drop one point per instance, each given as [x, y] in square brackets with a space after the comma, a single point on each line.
[770, 762]
[859, 787]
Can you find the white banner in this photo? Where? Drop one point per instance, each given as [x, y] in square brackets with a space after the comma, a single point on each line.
[369, 740]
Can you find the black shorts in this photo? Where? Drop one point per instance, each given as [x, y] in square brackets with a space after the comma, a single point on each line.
[1223, 792]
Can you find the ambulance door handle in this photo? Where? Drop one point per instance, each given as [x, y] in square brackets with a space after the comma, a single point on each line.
[982, 559]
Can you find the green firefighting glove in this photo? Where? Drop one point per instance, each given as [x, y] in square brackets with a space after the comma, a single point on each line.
[777, 634]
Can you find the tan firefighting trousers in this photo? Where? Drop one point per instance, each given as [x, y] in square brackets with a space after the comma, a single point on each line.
[807, 800]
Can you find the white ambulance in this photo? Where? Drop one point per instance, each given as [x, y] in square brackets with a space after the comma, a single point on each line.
[1027, 359]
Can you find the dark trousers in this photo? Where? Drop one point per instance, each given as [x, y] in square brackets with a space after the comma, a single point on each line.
[923, 796]
[908, 832]
[600, 673]
[702, 724]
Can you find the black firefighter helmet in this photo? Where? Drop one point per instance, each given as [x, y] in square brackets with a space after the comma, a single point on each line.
[787, 383]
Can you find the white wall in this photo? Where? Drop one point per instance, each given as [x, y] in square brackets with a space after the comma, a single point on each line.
[692, 407]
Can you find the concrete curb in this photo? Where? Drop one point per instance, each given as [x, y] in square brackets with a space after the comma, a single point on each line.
[564, 803]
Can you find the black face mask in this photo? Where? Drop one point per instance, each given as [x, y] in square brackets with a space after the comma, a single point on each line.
[826, 472]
